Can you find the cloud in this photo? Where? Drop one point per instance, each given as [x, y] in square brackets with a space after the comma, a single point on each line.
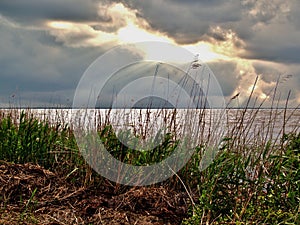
[32, 62]
[31, 12]
[267, 29]
[237, 76]
[276, 38]
[185, 22]
[47, 45]
[226, 74]
[250, 32]
[79, 35]
[265, 11]
[44, 52]
[225, 41]
[73, 23]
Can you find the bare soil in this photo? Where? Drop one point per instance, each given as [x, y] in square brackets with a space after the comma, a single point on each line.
[30, 194]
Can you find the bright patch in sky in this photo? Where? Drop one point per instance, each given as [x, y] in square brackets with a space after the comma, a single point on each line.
[205, 51]
[132, 33]
[133, 30]
[60, 25]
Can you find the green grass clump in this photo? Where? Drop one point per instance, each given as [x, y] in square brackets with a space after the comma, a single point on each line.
[26, 139]
[136, 156]
[240, 190]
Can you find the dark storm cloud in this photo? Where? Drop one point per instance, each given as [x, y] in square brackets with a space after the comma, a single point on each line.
[186, 21]
[37, 11]
[267, 73]
[41, 64]
[294, 15]
[263, 11]
[285, 77]
[226, 73]
[33, 63]
[258, 23]
[196, 2]
[290, 54]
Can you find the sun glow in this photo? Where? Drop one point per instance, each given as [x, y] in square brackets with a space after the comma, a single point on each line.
[205, 51]
[130, 29]
[60, 25]
[132, 33]
[252, 88]
[263, 96]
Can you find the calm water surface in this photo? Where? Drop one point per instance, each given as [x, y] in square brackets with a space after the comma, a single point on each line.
[253, 123]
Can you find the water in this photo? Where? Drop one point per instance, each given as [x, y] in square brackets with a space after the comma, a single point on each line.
[258, 124]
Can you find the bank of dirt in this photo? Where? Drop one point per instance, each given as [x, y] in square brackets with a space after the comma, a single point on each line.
[30, 194]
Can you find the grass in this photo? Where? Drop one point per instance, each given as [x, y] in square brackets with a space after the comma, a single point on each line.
[270, 195]
[254, 179]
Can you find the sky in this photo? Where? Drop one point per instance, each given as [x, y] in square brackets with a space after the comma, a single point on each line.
[46, 46]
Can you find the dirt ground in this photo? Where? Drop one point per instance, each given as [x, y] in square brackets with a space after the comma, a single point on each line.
[30, 194]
